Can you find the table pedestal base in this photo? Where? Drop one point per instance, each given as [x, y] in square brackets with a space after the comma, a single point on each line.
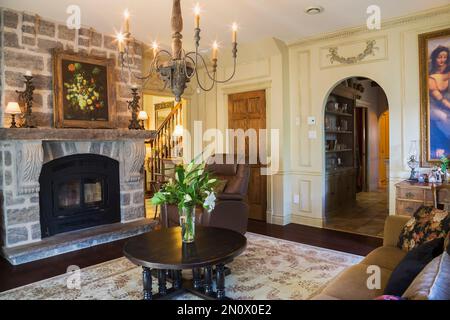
[198, 286]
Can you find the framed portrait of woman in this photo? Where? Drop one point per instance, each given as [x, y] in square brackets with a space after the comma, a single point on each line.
[434, 55]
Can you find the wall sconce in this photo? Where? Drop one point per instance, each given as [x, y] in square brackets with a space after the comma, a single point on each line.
[143, 116]
[13, 108]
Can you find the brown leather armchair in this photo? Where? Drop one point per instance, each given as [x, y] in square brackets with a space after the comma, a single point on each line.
[231, 210]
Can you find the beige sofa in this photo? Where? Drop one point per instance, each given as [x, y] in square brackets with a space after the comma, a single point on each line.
[352, 283]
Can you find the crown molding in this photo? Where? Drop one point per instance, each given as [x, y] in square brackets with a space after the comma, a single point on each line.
[386, 24]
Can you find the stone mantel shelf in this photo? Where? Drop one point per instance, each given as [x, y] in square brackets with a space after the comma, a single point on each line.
[74, 134]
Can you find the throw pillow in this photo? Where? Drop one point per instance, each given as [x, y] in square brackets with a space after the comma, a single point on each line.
[220, 186]
[411, 265]
[447, 243]
[427, 224]
[433, 282]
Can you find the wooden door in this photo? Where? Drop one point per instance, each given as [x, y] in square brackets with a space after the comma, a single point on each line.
[383, 155]
[248, 111]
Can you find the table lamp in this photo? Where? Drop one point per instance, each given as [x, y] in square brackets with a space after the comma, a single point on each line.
[178, 132]
[13, 108]
[143, 116]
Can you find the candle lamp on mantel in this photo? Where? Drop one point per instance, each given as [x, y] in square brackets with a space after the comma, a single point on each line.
[13, 109]
[133, 106]
[26, 97]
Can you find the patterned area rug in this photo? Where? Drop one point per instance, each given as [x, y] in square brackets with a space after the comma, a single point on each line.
[269, 269]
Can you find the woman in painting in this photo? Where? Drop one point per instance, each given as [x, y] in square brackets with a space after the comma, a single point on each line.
[438, 84]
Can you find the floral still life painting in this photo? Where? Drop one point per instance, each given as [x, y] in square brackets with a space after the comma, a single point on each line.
[84, 92]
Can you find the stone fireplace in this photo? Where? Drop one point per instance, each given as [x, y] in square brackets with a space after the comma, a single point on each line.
[78, 162]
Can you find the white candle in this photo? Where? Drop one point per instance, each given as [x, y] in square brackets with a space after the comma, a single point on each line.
[215, 49]
[120, 42]
[234, 34]
[155, 47]
[28, 73]
[197, 15]
[126, 14]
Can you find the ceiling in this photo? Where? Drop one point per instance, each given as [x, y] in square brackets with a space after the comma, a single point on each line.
[283, 19]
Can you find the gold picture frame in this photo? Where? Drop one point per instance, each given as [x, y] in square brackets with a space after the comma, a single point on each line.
[162, 111]
[84, 91]
[433, 47]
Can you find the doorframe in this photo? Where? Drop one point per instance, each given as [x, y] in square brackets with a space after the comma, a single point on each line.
[387, 168]
[241, 88]
[367, 174]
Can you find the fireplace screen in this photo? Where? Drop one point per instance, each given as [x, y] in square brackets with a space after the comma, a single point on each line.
[79, 192]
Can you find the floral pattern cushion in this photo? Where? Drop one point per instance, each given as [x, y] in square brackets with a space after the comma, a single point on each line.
[428, 223]
[389, 297]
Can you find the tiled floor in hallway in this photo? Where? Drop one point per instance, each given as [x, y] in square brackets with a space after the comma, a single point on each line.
[366, 216]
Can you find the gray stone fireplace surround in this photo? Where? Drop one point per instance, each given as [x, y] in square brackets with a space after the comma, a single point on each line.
[22, 155]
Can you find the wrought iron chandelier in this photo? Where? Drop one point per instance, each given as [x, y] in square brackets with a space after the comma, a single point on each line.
[177, 68]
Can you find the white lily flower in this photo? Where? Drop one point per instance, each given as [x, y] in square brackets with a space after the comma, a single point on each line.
[187, 198]
[210, 201]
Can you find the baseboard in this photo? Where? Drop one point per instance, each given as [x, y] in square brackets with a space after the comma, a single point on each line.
[279, 220]
[307, 221]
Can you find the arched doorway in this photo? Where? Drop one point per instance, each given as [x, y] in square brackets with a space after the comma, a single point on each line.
[356, 130]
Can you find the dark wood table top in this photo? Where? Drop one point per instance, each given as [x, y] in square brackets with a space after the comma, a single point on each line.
[163, 249]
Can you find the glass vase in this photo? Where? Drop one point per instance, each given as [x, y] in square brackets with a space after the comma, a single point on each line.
[187, 224]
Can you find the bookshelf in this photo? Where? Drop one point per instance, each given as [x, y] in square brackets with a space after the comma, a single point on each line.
[340, 147]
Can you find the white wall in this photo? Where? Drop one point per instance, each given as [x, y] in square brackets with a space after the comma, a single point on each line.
[395, 67]
[298, 78]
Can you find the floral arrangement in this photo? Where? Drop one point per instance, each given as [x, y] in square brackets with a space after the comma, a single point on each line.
[83, 92]
[445, 161]
[192, 187]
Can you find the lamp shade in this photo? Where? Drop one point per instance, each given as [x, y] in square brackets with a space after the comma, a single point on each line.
[13, 108]
[143, 115]
[178, 132]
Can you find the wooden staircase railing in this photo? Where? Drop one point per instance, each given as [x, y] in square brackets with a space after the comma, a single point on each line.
[164, 144]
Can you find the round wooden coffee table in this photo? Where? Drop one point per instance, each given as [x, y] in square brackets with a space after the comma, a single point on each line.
[163, 252]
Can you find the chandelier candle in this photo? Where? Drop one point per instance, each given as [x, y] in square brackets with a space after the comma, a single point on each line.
[234, 34]
[126, 15]
[177, 68]
[215, 50]
[197, 16]
[155, 48]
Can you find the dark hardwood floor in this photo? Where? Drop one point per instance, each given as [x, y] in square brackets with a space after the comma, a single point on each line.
[16, 276]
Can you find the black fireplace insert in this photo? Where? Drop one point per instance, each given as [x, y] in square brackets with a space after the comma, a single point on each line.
[78, 192]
